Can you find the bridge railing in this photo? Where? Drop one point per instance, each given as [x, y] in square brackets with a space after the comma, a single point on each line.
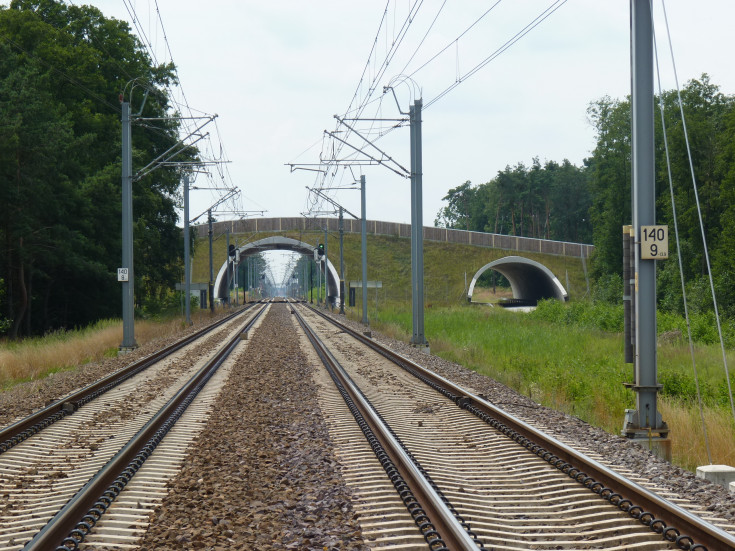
[395, 229]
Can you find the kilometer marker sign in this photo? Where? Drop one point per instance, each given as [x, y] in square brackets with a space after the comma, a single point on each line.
[654, 242]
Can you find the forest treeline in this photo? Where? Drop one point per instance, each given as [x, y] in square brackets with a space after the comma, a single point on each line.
[549, 201]
[62, 71]
[591, 203]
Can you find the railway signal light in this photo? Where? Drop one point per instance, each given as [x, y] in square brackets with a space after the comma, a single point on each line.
[320, 249]
[231, 251]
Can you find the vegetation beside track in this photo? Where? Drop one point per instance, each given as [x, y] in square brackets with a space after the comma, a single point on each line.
[36, 358]
[577, 367]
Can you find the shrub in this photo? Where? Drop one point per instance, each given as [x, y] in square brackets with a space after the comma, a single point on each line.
[608, 317]
[593, 315]
[722, 396]
[678, 385]
[670, 321]
[166, 304]
[608, 288]
[552, 311]
[704, 328]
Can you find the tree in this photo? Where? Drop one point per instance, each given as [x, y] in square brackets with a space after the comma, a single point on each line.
[722, 257]
[456, 214]
[610, 181]
[710, 129]
[4, 323]
[571, 198]
[36, 136]
[548, 201]
[61, 71]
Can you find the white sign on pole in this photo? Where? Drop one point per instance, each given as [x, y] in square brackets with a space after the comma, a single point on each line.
[654, 242]
[122, 274]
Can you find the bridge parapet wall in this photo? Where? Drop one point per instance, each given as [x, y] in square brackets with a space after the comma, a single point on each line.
[395, 229]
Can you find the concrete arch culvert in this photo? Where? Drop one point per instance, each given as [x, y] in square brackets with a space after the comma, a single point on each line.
[274, 244]
[530, 281]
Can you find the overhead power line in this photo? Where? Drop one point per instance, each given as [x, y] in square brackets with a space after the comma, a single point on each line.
[510, 42]
[339, 148]
[451, 43]
[208, 150]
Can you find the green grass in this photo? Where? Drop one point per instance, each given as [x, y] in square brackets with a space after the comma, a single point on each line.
[566, 362]
[674, 357]
[572, 369]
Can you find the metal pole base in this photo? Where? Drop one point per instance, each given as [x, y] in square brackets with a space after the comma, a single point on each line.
[655, 440]
[122, 350]
[424, 347]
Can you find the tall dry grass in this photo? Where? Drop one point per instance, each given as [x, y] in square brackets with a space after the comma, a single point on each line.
[688, 447]
[35, 358]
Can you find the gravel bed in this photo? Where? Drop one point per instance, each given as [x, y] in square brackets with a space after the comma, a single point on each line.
[262, 474]
[615, 449]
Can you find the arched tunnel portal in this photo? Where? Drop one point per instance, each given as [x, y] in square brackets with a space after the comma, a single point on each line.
[529, 280]
[271, 244]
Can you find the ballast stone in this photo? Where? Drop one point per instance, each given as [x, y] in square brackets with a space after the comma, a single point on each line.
[723, 475]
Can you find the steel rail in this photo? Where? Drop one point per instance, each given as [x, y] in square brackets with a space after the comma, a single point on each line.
[677, 525]
[449, 529]
[66, 520]
[28, 426]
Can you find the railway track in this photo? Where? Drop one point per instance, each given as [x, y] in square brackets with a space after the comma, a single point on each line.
[26, 427]
[63, 469]
[503, 483]
[457, 478]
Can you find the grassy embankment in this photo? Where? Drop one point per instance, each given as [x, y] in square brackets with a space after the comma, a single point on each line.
[36, 358]
[447, 266]
[579, 370]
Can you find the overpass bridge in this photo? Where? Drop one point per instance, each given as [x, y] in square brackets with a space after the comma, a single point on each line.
[532, 266]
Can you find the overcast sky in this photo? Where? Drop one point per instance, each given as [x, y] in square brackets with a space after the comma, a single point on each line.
[277, 72]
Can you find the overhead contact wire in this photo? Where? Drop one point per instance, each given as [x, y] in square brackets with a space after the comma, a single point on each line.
[445, 48]
[384, 65]
[520, 34]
